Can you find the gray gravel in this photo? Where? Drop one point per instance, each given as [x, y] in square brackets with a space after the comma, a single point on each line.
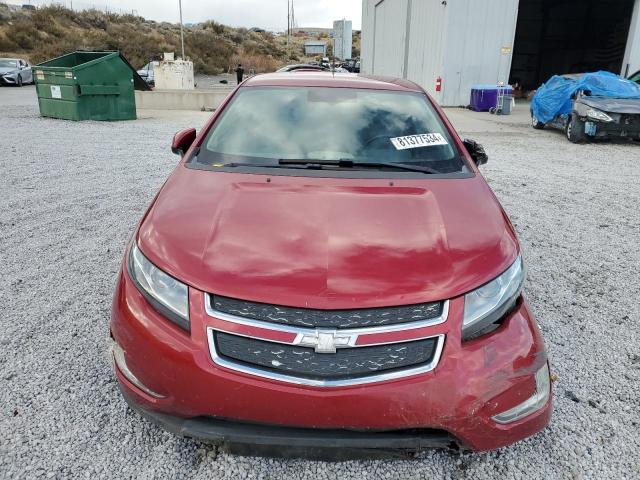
[71, 194]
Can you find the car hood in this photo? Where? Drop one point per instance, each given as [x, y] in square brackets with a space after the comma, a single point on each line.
[4, 70]
[327, 243]
[613, 105]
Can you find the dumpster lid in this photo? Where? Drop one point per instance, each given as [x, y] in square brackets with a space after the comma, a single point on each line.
[138, 82]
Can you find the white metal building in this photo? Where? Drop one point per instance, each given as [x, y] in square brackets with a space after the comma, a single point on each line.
[466, 42]
[315, 47]
[343, 39]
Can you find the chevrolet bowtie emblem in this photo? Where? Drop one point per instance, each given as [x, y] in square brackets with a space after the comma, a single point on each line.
[326, 341]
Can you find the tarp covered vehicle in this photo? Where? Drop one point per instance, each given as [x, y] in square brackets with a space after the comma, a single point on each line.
[587, 106]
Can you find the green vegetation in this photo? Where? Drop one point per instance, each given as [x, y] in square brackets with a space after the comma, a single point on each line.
[52, 31]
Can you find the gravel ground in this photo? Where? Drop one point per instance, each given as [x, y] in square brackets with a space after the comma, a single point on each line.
[213, 81]
[73, 192]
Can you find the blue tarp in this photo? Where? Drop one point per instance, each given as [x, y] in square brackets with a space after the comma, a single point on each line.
[554, 97]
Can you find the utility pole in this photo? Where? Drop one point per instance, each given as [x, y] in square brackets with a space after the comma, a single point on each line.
[293, 16]
[333, 54]
[288, 29]
[181, 30]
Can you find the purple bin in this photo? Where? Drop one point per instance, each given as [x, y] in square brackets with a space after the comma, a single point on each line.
[485, 97]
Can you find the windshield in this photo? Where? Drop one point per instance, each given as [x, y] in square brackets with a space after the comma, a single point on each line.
[4, 63]
[268, 124]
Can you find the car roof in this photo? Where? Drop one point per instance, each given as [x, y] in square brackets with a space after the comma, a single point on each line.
[329, 79]
[299, 66]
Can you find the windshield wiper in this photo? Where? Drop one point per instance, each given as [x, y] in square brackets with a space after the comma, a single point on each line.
[343, 163]
[347, 163]
[259, 165]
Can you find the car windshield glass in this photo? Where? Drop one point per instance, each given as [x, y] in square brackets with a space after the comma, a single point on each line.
[8, 63]
[265, 125]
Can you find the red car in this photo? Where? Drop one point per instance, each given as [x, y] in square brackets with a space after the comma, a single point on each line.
[326, 267]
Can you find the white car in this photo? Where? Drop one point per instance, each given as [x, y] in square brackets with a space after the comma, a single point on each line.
[146, 73]
[15, 71]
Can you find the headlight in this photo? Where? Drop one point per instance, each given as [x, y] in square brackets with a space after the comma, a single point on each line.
[594, 114]
[489, 303]
[165, 293]
[533, 403]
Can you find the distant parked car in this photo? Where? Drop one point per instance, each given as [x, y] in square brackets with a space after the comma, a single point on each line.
[303, 67]
[351, 65]
[15, 71]
[588, 106]
[146, 73]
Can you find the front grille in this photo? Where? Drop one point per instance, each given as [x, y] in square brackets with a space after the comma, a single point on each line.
[307, 317]
[632, 120]
[302, 362]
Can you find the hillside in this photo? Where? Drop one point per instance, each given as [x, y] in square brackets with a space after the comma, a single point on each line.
[214, 48]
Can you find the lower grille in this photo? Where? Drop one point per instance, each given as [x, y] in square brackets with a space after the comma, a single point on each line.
[302, 362]
[633, 120]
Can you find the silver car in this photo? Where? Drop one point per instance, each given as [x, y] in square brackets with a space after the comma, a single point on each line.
[146, 73]
[15, 71]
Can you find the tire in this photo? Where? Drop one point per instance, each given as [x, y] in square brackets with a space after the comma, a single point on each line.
[19, 83]
[575, 130]
[535, 123]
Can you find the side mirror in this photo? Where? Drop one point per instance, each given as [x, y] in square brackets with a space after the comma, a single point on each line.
[476, 151]
[183, 140]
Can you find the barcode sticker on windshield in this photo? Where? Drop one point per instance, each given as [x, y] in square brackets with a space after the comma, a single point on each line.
[417, 141]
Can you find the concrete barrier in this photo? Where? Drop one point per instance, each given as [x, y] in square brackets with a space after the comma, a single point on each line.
[181, 99]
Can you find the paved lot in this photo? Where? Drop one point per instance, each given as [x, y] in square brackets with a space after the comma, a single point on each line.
[71, 194]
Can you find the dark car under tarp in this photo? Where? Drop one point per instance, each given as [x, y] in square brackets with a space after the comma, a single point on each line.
[555, 97]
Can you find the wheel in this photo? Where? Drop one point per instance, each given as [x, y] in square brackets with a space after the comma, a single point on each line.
[19, 83]
[535, 123]
[575, 130]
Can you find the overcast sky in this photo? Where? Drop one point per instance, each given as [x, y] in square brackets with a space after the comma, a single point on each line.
[270, 14]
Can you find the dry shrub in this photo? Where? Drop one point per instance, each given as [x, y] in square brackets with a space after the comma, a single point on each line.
[22, 34]
[52, 31]
[258, 63]
[7, 45]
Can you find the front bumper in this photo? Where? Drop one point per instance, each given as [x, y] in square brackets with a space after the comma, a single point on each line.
[451, 405]
[316, 443]
[627, 127]
[8, 80]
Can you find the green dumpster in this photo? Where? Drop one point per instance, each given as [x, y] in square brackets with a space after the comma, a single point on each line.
[87, 85]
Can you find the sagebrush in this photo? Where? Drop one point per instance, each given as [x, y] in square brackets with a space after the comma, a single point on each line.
[214, 48]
